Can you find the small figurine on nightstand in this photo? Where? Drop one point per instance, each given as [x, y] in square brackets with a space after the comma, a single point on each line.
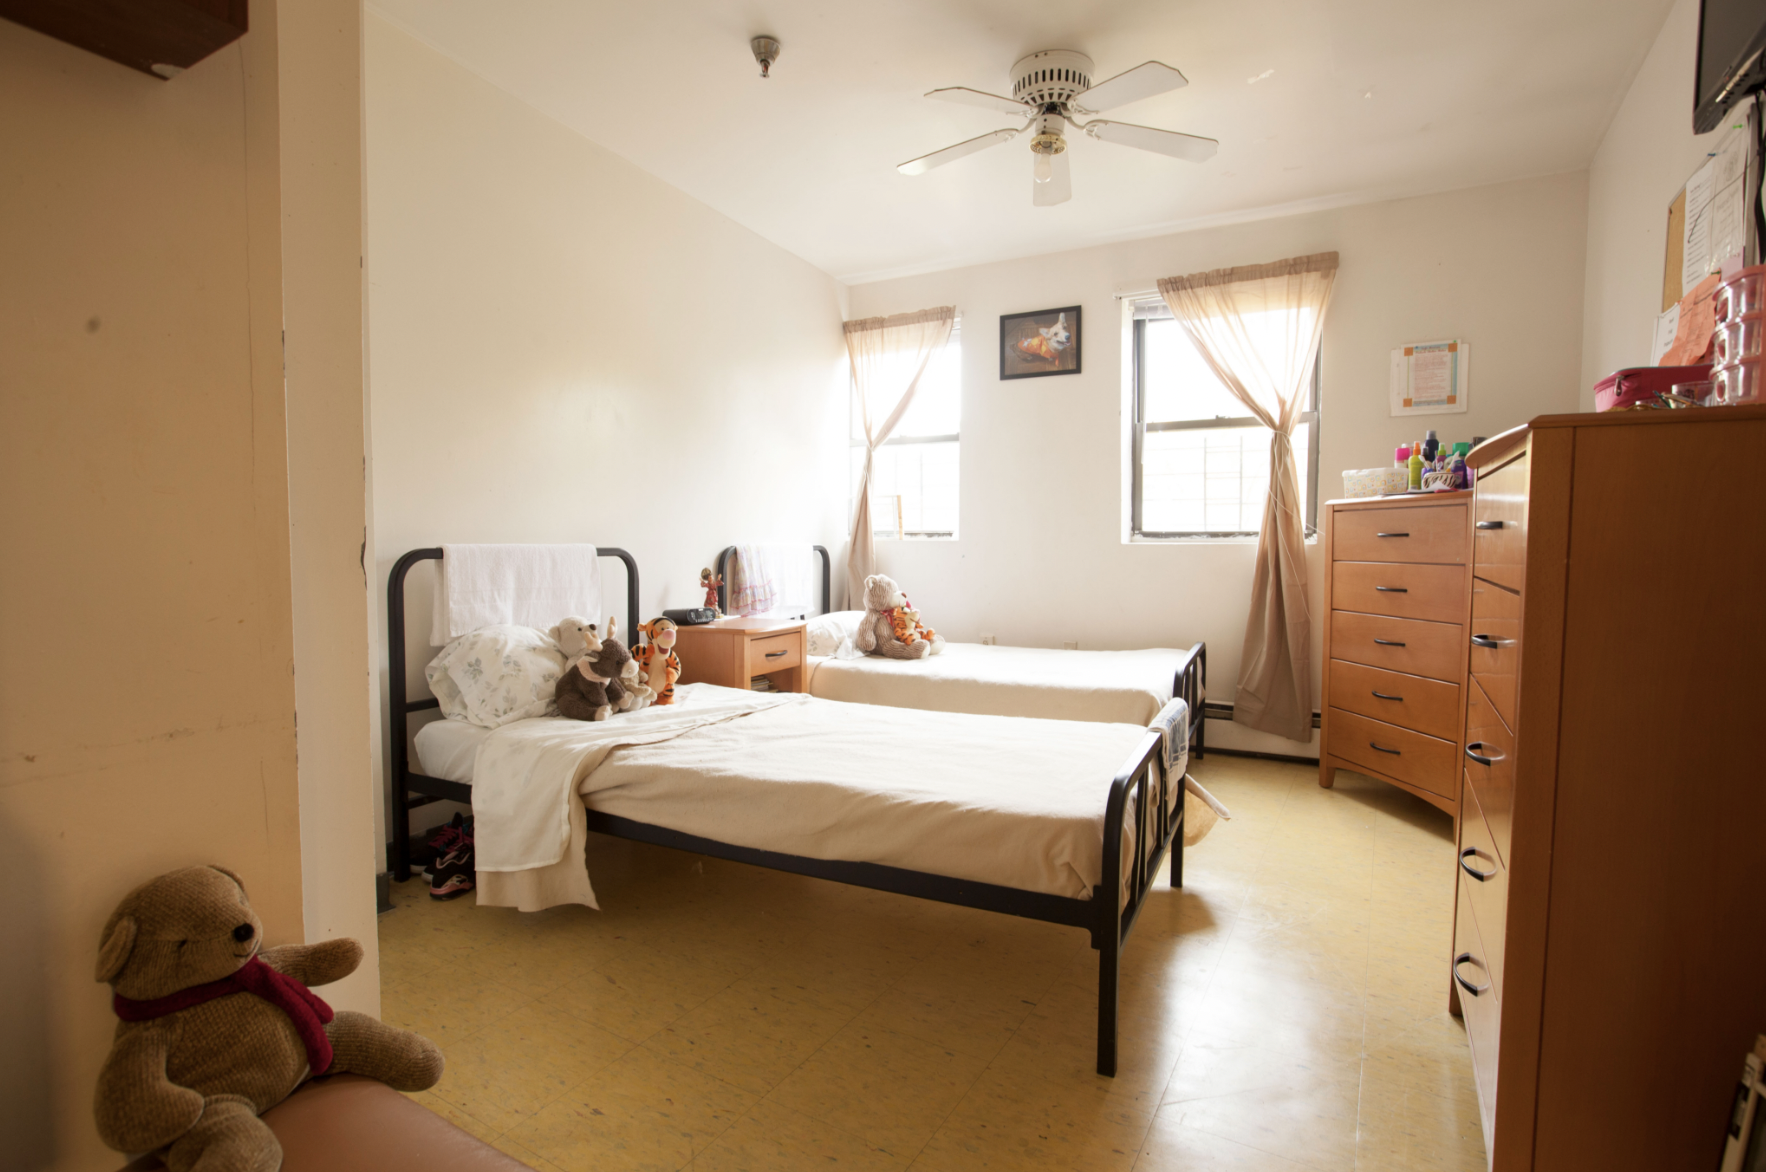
[711, 582]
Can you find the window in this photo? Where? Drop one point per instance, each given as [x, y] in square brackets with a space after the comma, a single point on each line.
[1201, 459]
[914, 473]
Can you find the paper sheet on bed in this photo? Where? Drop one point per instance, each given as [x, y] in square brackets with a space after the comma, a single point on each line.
[1125, 687]
[525, 777]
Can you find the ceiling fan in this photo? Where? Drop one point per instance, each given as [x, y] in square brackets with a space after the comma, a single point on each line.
[1048, 90]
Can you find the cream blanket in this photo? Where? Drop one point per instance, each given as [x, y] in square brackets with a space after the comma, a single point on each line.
[1125, 687]
[1002, 800]
[529, 831]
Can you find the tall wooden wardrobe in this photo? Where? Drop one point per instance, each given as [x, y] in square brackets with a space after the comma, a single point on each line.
[1610, 935]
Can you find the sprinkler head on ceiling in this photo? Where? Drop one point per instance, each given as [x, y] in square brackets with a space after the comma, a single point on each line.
[766, 51]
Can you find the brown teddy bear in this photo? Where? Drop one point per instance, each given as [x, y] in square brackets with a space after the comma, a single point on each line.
[214, 1033]
[602, 677]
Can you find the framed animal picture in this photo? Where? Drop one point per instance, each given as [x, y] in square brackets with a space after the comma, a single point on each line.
[1035, 344]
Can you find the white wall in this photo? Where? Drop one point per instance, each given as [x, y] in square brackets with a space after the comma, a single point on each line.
[565, 348]
[1040, 557]
[1645, 158]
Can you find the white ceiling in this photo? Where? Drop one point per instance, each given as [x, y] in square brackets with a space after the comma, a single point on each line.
[1315, 103]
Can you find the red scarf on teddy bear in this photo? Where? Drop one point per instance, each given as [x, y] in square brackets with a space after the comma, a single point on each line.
[303, 1006]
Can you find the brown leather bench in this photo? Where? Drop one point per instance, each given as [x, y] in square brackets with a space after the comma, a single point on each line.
[348, 1123]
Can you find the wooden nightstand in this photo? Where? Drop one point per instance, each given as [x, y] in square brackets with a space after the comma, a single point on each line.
[730, 652]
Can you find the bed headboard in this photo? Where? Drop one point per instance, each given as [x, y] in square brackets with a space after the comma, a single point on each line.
[729, 551]
[399, 776]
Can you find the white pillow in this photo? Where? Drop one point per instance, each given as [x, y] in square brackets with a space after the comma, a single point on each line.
[494, 675]
[823, 634]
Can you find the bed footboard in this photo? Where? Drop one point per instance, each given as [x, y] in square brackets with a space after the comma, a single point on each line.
[1191, 686]
[1157, 828]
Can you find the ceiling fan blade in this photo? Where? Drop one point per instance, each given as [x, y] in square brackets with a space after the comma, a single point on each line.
[1059, 188]
[1188, 147]
[925, 163]
[1143, 81]
[969, 97]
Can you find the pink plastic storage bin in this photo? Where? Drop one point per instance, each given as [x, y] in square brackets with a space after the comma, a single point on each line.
[1737, 383]
[1741, 295]
[1737, 339]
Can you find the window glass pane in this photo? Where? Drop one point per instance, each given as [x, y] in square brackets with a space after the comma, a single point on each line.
[937, 408]
[913, 486]
[1177, 383]
[1212, 480]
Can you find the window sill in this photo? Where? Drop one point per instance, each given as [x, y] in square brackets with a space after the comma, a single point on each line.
[1137, 539]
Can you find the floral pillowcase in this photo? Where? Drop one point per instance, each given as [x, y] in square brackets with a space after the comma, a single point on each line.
[498, 674]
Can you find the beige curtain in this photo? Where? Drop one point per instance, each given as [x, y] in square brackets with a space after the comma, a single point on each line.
[1258, 328]
[888, 356]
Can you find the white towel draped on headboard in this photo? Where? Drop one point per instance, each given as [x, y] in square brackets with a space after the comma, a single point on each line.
[531, 585]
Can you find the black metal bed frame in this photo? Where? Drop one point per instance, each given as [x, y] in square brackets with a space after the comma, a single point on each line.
[1189, 684]
[1157, 815]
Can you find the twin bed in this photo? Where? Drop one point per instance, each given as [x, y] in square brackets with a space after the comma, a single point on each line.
[1127, 687]
[1065, 821]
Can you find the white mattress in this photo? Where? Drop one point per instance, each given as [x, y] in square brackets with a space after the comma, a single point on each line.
[1127, 687]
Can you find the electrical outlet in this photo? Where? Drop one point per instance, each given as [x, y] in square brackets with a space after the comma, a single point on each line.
[1070, 647]
[988, 640]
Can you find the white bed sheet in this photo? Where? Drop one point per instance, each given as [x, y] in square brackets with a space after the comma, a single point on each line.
[446, 748]
[1125, 687]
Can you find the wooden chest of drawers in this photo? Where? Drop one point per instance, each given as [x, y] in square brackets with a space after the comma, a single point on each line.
[1609, 944]
[1397, 593]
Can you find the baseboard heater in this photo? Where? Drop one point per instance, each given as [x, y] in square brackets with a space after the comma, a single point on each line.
[1217, 710]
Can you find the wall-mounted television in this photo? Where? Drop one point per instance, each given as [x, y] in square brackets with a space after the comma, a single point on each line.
[1732, 57]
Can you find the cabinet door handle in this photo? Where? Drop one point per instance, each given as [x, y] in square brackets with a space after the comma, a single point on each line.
[1472, 852]
[1393, 589]
[1391, 535]
[1489, 641]
[1383, 696]
[1388, 642]
[1384, 749]
[1481, 757]
[1474, 990]
[1490, 524]
[776, 654]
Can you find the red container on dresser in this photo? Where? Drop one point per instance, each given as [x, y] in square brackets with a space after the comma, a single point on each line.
[1639, 384]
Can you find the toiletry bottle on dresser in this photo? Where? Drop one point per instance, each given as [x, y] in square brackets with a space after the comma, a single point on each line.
[1416, 468]
[1430, 445]
[1401, 457]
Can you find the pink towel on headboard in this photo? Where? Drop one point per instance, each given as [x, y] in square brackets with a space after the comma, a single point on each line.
[764, 579]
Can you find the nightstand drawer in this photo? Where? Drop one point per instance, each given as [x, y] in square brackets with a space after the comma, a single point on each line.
[775, 653]
[1412, 534]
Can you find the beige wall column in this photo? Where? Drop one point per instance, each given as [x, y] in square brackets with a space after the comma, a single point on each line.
[147, 715]
[321, 112]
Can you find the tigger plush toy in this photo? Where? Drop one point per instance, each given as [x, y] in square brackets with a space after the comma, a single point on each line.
[658, 665]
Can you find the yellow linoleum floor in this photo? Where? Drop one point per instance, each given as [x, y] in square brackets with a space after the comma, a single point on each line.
[1285, 1010]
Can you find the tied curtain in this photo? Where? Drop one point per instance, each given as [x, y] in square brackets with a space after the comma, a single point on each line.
[888, 356]
[1258, 328]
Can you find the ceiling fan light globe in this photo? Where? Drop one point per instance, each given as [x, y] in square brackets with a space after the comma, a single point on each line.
[1043, 170]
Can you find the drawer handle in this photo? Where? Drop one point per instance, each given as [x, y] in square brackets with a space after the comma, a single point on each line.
[1473, 853]
[776, 654]
[1393, 589]
[1384, 749]
[1482, 758]
[1490, 524]
[1383, 696]
[1489, 641]
[1391, 535]
[1388, 642]
[1474, 990]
